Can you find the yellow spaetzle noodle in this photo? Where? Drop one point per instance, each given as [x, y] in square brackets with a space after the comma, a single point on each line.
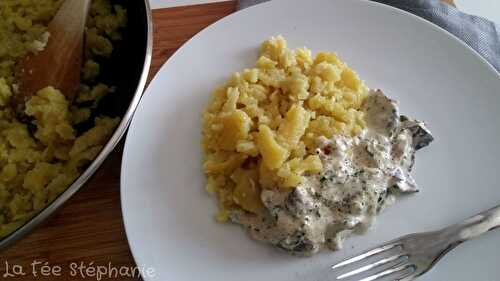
[260, 128]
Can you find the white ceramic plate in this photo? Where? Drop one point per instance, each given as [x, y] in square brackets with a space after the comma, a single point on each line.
[169, 216]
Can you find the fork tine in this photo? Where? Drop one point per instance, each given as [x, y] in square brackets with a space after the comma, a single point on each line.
[365, 255]
[388, 272]
[373, 265]
[408, 276]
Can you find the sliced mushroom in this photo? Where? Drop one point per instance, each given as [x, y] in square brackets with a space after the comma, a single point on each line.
[382, 114]
[422, 137]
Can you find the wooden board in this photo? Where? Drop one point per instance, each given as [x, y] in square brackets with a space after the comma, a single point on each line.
[89, 228]
[451, 2]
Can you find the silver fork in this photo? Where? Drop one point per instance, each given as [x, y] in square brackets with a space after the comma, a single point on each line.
[412, 255]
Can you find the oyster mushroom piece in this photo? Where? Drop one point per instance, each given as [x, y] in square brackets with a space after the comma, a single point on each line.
[381, 113]
[422, 137]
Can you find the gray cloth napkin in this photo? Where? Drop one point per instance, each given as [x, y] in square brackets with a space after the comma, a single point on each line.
[480, 34]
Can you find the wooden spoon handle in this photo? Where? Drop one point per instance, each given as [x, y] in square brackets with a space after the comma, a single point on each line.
[59, 63]
[71, 16]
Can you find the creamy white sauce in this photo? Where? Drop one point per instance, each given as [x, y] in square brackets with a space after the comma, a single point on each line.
[361, 176]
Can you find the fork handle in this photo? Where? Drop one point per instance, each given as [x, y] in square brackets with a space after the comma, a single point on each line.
[475, 226]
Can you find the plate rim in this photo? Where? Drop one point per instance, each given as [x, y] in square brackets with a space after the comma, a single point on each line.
[127, 145]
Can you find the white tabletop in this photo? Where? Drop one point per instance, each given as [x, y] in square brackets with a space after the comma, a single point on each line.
[489, 9]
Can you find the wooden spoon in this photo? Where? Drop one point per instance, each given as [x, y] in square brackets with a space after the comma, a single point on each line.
[59, 63]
